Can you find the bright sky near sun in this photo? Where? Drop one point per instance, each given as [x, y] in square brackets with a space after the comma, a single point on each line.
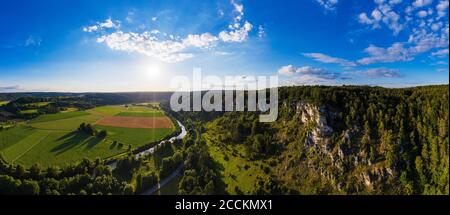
[108, 45]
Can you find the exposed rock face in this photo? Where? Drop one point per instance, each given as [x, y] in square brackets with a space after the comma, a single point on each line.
[333, 158]
[311, 114]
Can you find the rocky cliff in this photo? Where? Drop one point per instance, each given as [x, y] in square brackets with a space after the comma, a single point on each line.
[325, 154]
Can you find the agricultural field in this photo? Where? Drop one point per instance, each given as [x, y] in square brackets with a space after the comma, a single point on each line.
[3, 103]
[53, 139]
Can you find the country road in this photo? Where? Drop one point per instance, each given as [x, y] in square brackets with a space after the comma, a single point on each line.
[163, 182]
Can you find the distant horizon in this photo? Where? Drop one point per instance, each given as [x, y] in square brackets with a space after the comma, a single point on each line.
[165, 91]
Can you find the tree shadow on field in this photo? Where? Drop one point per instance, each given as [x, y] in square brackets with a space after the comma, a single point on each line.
[70, 141]
[93, 142]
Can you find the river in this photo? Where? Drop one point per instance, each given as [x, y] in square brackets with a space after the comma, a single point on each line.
[151, 150]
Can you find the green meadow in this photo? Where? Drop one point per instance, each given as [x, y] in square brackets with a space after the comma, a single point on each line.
[53, 139]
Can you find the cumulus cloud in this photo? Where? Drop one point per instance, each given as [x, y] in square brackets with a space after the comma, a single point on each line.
[205, 40]
[239, 30]
[237, 33]
[165, 50]
[385, 14]
[420, 19]
[328, 4]
[422, 3]
[394, 53]
[442, 8]
[381, 73]
[328, 59]
[167, 47]
[108, 23]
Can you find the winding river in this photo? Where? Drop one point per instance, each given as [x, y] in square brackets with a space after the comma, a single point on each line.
[166, 180]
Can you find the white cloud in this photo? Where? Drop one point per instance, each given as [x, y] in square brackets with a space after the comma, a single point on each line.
[364, 19]
[376, 14]
[170, 48]
[237, 31]
[310, 71]
[381, 73]
[108, 23]
[427, 31]
[236, 35]
[394, 53]
[422, 3]
[205, 40]
[386, 14]
[422, 13]
[33, 41]
[328, 59]
[261, 32]
[442, 8]
[154, 18]
[328, 4]
[239, 9]
[287, 70]
[440, 53]
[167, 50]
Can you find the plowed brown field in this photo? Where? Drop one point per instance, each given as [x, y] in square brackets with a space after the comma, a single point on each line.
[136, 122]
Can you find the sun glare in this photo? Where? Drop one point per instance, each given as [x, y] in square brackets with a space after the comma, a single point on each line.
[152, 71]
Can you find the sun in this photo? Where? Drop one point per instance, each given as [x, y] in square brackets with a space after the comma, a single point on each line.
[152, 71]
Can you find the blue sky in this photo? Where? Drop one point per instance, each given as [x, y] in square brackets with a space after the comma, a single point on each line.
[139, 45]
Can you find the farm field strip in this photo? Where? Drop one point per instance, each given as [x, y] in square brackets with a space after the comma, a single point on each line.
[16, 151]
[136, 122]
[59, 116]
[67, 124]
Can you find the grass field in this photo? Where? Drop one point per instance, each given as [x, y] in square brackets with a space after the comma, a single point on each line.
[59, 116]
[109, 110]
[3, 103]
[66, 124]
[53, 140]
[12, 136]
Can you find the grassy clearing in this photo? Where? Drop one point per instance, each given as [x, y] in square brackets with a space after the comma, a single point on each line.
[136, 137]
[3, 103]
[58, 116]
[235, 170]
[69, 124]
